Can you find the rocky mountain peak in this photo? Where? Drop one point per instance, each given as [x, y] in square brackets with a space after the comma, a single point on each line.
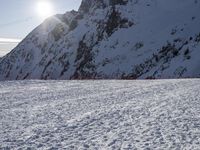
[86, 5]
[120, 39]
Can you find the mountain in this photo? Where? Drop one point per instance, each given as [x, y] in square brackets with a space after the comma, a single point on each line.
[121, 39]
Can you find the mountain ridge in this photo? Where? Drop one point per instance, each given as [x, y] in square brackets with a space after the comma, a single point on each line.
[111, 39]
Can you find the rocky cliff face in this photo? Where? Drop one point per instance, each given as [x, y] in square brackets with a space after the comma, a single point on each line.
[121, 39]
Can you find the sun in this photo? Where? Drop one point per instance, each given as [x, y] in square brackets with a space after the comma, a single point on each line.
[44, 9]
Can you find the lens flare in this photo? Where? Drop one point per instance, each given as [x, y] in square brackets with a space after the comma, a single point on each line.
[44, 9]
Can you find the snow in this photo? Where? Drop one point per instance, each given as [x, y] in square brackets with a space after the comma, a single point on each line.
[105, 114]
[155, 23]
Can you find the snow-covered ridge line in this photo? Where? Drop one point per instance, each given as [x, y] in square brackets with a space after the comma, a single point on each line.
[112, 39]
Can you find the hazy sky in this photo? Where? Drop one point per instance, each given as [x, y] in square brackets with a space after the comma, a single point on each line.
[19, 17]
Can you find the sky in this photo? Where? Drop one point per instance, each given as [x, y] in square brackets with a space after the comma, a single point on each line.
[20, 17]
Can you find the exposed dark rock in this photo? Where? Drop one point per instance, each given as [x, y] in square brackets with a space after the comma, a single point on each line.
[85, 68]
[58, 32]
[115, 21]
[118, 2]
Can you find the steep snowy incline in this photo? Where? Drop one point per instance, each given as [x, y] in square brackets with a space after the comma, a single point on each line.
[112, 39]
[161, 114]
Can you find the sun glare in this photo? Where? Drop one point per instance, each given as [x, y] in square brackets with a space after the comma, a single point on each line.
[44, 9]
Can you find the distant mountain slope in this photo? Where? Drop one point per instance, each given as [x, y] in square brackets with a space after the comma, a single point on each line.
[112, 39]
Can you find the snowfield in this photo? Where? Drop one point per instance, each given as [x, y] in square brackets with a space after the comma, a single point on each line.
[160, 114]
[111, 39]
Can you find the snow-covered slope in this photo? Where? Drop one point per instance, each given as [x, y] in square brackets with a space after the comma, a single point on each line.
[106, 115]
[112, 39]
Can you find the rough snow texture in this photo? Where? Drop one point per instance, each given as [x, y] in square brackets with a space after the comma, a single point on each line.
[106, 115]
[112, 39]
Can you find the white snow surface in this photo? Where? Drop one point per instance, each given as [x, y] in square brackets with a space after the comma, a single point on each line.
[130, 39]
[110, 114]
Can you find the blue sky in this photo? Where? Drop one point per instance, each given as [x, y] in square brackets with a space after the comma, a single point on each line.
[19, 17]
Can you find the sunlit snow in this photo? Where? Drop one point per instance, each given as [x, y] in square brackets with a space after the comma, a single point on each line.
[160, 114]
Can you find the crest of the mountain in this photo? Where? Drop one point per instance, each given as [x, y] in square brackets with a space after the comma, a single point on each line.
[121, 39]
